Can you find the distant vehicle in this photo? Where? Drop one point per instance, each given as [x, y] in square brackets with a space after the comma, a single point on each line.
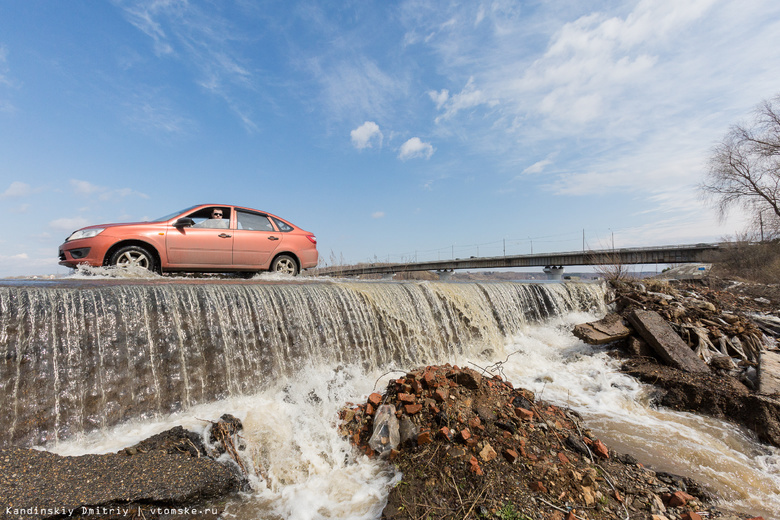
[203, 238]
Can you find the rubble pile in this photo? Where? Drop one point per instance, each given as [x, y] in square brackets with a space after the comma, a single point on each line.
[706, 350]
[471, 445]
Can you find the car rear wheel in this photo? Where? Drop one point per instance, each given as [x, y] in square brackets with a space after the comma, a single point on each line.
[284, 264]
[133, 256]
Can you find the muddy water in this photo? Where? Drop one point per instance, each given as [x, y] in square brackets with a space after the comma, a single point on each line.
[354, 337]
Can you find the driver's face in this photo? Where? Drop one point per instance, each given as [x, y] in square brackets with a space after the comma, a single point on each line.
[217, 213]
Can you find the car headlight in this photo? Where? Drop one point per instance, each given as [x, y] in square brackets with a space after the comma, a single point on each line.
[85, 233]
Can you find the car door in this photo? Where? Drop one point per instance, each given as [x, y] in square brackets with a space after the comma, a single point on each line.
[200, 247]
[255, 240]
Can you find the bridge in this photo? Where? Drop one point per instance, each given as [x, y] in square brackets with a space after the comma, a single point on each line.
[553, 263]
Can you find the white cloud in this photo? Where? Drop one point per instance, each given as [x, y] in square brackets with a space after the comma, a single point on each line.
[469, 97]
[378, 214]
[68, 223]
[356, 85]
[202, 39]
[86, 188]
[414, 148]
[538, 166]
[16, 189]
[440, 97]
[365, 135]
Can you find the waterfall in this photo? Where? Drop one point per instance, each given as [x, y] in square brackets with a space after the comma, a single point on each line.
[79, 356]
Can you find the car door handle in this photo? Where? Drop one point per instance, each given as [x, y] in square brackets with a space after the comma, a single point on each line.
[273, 238]
[224, 235]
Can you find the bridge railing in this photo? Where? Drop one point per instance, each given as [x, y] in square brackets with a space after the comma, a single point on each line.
[670, 254]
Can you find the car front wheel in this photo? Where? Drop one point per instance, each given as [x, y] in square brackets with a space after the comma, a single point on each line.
[133, 256]
[284, 264]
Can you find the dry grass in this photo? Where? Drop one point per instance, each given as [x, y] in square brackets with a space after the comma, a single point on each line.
[755, 262]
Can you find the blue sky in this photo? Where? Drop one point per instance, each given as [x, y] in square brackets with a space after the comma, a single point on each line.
[389, 129]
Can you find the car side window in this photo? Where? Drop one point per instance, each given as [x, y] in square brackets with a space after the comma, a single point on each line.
[283, 226]
[253, 221]
[204, 218]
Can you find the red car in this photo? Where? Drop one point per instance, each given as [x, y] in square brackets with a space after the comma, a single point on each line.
[203, 238]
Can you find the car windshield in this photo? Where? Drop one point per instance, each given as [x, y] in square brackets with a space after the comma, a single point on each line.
[171, 215]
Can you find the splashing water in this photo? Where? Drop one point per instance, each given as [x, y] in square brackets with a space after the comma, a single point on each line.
[304, 470]
[117, 362]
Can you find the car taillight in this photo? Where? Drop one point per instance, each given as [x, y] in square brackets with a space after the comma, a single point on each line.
[312, 239]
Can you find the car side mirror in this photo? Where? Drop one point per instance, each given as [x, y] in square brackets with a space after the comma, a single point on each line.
[184, 222]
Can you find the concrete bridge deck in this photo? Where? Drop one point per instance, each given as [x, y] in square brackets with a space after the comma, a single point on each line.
[678, 254]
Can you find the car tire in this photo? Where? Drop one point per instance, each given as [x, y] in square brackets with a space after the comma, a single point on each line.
[133, 256]
[284, 264]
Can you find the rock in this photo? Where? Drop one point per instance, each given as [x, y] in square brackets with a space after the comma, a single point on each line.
[488, 453]
[639, 347]
[47, 480]
[577, 445]
[667, 344]
[769, 373]
[605, 330]
[466, 377]
[722, 363]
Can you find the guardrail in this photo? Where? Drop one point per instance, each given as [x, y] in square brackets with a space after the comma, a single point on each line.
[679, 254]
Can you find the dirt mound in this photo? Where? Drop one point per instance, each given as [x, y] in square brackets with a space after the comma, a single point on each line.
[475, 447]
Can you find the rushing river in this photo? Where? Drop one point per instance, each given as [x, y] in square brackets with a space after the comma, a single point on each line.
[285, 356]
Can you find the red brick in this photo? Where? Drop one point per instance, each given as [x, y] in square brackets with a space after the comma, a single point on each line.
[526, 415]
[441, 394]
[444, 433]
[375, 399]
[423, 438]
[538, 487]
[464, 434]
[563, 458]
[679, 498]
[600, 449]
[412, 409]
[474, 466]
[510, 455]
[690, 515]
[406, 398]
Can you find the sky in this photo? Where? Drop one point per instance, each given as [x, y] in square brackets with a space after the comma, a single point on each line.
[393, 130]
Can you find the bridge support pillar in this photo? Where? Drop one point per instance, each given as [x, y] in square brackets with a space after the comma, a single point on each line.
[444, 274]
[554, 272]
[387, 276]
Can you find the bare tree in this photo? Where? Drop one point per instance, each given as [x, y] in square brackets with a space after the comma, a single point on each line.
[744, 168]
